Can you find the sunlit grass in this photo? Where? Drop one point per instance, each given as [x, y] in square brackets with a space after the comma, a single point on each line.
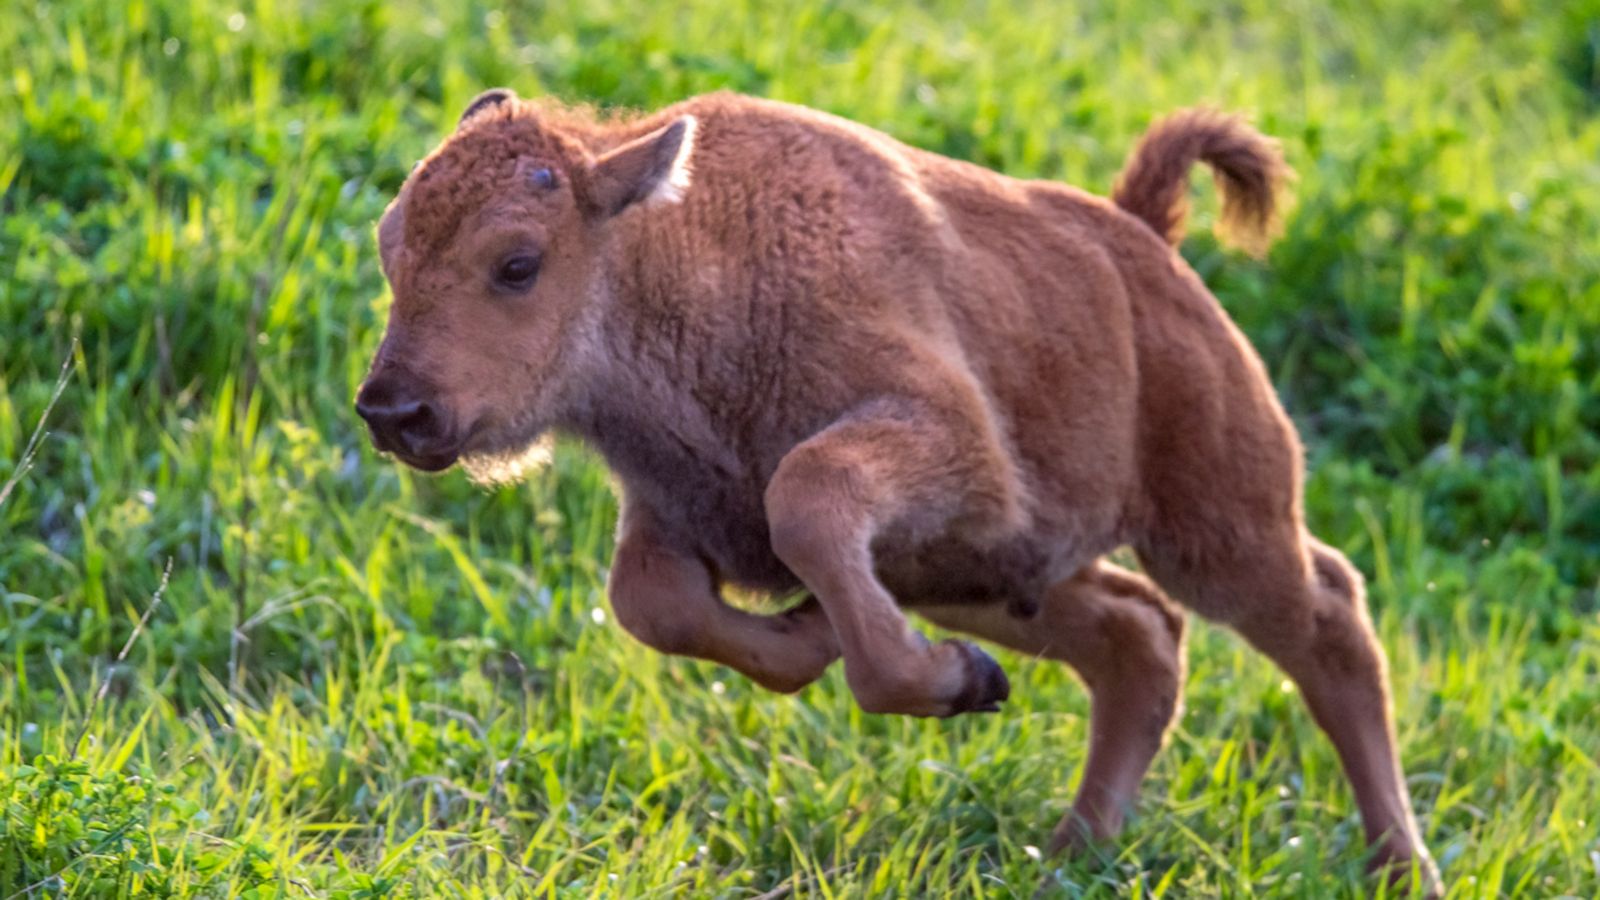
[364, 681]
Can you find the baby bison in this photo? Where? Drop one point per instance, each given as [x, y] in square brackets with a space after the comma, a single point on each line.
[818, 359]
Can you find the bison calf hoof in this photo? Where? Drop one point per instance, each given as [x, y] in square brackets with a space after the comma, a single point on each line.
[986, 685]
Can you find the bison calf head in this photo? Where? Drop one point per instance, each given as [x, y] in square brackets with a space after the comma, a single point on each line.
[495, 253]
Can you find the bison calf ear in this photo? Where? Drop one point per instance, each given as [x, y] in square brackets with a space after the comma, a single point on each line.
[486, 100]
[654, 168]
[391, 228]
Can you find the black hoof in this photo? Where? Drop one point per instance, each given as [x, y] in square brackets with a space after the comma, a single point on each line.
[987, 686]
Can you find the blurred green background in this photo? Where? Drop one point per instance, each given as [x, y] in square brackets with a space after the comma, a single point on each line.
[360, 682]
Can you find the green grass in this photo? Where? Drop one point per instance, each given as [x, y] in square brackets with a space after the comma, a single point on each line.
[361, 682]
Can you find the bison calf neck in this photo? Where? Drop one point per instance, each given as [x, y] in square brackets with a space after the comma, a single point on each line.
[819, 359]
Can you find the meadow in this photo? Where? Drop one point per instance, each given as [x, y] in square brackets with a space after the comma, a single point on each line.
[358, 681]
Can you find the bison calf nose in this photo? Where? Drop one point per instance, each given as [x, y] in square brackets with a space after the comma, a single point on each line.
[406, 424]
[398, 422]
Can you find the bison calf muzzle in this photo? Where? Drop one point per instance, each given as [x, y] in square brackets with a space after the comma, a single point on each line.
[402, 422]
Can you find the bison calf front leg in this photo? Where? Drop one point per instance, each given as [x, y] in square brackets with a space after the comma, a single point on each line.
[669, 600]
[830, 498]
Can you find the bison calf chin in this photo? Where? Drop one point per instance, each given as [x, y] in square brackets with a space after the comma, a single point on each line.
[819, 360]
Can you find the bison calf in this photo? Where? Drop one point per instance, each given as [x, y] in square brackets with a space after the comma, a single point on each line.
[819, 359]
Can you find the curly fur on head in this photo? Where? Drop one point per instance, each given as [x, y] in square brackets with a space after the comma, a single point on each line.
[478, 161]
[498, 130]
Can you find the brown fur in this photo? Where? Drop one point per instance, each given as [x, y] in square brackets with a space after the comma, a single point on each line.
[819, 359]
[1249, 169]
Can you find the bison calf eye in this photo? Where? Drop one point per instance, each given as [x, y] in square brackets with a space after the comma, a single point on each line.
[518, 272]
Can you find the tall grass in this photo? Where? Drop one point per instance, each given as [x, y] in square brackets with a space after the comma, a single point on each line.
[362, 682]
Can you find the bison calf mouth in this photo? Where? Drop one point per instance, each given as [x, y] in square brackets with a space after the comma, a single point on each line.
[434, 463]
[404, 421]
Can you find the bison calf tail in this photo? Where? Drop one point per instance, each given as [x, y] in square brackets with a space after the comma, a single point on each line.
[1248, 166]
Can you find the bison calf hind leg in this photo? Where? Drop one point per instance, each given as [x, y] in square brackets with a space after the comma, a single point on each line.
[1125, 640]
[1304, 605]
